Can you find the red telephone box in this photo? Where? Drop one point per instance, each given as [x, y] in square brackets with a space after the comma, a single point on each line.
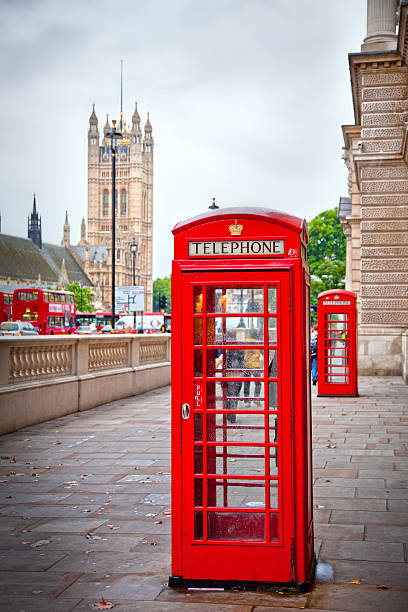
[336, 343]
[241, 416]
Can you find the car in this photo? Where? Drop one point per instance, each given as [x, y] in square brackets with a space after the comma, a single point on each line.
[106, 329]
[85, 330]
[17, 328]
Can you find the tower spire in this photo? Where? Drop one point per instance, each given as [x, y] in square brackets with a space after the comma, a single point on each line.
[121, 95]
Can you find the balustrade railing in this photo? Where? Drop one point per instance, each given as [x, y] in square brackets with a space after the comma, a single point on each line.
[45, 377]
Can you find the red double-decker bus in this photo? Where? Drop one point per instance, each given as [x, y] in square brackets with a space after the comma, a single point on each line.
[50, 311]
[6, 302]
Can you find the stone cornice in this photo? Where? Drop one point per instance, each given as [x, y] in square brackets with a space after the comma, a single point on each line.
[379, 59]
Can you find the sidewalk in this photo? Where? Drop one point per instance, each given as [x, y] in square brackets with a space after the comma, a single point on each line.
[85, 510]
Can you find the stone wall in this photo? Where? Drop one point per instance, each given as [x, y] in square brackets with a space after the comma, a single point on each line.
[47, 377]
[376, 154]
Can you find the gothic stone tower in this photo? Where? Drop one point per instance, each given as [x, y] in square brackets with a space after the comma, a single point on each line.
[134, 205]
[34, 226]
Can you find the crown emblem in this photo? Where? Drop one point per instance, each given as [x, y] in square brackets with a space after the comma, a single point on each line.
[235, 228]
[336, 297]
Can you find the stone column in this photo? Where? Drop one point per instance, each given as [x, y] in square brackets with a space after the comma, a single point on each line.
[381, 22]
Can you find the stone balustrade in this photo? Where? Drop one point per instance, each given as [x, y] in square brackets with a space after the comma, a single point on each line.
[46, 377]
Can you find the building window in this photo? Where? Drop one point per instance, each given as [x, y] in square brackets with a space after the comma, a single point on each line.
[93, 128]
[118, 255]
[148, 148]
[93, 141]
[147, 135]
[105, 203]
[123, 202]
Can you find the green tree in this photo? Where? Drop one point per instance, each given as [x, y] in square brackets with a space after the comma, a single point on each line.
[83, 299]
[326, 254]
[162, 286]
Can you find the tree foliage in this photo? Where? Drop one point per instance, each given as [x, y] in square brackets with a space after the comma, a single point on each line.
[83, 299]
[326, 254]
[162, 286]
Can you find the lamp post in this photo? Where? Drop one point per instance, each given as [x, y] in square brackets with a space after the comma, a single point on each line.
[133, 250]
[114, 136]
[80, 284]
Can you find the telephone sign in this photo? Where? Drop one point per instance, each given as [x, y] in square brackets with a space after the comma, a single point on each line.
[241, 424]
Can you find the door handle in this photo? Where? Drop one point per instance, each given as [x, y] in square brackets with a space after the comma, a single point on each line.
[185, 411]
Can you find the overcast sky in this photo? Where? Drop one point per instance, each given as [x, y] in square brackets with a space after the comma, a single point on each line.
[246, 100]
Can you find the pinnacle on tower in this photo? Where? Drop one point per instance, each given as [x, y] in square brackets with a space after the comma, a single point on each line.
[148, 126]
[107, 126]
[135, 120]
[93, 118]
[66, 238]
[83, 230]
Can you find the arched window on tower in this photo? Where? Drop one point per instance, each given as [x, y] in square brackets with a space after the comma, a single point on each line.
[123, 202]
[105, 203]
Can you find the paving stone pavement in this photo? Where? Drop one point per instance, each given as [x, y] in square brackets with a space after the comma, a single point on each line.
[85, 510]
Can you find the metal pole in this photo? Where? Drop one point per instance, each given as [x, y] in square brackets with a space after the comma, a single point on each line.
[113, 229]
[134, 284]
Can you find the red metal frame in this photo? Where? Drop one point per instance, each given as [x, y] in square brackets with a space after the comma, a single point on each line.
[240, 542]
[337, 343]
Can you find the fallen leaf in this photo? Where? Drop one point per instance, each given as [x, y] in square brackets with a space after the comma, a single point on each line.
[26, 542]
[113, 527]
[36, 592]
[327, 481]
[5, 457]
[232, 460]
[153, 543]
[355, 581]
[158, 522]
[13, 460]
[92, 536]
[167, 512]
[281, 593]
[382, 587]
[57, 442]
[152, 514]
[39, 543]
[26, 440]
[102, 605]
[87, 510]
[34, 474]
[88, 551]
[331, 446]
[106, 501]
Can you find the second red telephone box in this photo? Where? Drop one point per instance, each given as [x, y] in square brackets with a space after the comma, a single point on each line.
[241, 423]
[337, 343]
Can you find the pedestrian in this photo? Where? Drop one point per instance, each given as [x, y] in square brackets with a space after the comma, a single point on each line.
[253, 365]
[313, 353]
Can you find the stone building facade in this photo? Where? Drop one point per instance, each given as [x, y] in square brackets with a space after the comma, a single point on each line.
[134, 208]
[375, 216]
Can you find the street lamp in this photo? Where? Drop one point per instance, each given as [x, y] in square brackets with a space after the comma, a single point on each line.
[213, 205]
[133, 250]
[114, 136]
[80, 284]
